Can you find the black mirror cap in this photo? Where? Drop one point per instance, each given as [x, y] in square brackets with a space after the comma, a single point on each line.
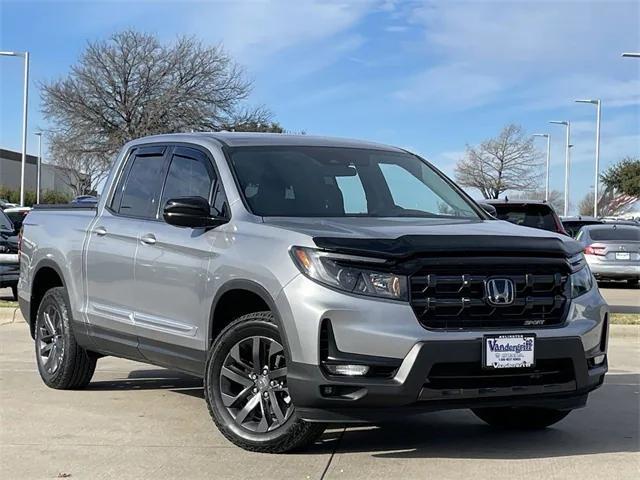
[190, 212]
[490, 209]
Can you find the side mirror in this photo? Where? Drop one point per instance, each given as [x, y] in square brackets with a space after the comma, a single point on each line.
[191, 212]
[490, 209]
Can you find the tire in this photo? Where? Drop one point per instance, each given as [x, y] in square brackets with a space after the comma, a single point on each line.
[62, 363]
[243, 420]
[527, 418]
[14, 291]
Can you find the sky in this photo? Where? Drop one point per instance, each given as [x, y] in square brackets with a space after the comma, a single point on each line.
[429, 76]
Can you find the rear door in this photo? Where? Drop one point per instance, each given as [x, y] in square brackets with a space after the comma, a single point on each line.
[111, 249]
[173, 300]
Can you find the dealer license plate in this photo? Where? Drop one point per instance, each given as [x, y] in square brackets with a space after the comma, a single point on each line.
[509, 351]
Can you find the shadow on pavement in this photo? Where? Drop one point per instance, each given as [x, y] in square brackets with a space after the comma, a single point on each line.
[153, 379]
[610, 423]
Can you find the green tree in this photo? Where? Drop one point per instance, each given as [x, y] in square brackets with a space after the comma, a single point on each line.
[624, 177]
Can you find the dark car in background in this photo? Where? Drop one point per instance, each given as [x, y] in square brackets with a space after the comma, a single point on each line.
[612, 251]
[528, 213]
[9, 265]
[16, 215]
[572, 225]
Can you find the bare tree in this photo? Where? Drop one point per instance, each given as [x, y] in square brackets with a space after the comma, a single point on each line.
[507, 162]
[81, 171]
[132, 85]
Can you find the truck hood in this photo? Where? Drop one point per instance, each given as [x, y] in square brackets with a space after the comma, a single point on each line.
[403, 237]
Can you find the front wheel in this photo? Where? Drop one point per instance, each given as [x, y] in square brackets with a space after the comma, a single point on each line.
[246, 390]
[530, 418]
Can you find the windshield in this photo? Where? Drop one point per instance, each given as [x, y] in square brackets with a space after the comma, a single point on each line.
[298, 181]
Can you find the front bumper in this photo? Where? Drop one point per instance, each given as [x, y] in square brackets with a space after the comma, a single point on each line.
[413, 389]
[367, 327]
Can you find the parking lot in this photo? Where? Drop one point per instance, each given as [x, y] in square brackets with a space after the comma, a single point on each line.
[138, 421]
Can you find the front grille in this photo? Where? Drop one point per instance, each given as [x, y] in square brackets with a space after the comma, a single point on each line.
[472, 375]
[455, 297]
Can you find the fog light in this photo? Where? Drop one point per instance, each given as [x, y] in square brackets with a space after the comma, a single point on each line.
[599, 359]
[348, 370]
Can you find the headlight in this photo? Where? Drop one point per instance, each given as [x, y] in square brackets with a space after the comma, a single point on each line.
[581, 282]
[333, 270]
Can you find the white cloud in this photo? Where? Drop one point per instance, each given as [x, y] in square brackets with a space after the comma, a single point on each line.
[452, 86]
[535, 53]
[255, 31]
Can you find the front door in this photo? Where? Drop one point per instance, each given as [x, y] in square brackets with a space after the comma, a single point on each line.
[111, 250]
[173, 288]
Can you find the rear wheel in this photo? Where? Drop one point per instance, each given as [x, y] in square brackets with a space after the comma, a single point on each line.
[246, 388]
[62, 363]
[520, 417]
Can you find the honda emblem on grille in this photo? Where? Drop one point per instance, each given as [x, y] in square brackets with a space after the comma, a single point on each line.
[500, 291]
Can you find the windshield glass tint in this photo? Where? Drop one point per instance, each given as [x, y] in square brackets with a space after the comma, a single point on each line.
[615, 234]
[338, 182]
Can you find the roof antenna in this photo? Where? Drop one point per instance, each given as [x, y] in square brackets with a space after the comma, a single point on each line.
[506, 199]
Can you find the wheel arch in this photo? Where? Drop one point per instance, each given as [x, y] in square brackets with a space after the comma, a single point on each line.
[250, 291]
[47, 275]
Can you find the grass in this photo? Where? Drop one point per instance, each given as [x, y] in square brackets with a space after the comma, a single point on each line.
[8, 304]
[625, 318]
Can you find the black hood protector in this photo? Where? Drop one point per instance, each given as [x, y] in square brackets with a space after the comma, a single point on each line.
[408, 246]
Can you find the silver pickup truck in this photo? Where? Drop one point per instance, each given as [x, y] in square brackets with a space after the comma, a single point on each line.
[311, 281]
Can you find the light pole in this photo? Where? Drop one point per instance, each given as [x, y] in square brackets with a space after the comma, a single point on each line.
[597, 103]
[39, 135]
[567, 161]
[546, 184]
[631, 54]
[25, 101]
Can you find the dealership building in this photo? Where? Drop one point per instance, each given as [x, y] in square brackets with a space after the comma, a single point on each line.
[52, 176]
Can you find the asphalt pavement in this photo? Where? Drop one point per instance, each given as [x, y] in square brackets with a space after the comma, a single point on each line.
[138, 421]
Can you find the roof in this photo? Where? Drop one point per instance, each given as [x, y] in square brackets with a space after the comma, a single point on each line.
[503, 201]
[252, 139]
[17, 156]
[580, 218]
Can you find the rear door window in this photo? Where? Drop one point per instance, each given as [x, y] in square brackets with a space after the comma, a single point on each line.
[138, 192]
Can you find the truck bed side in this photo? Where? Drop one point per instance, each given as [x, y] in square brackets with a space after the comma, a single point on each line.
[53, 240]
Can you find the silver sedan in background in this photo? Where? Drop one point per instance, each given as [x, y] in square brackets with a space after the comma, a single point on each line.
[612, 251]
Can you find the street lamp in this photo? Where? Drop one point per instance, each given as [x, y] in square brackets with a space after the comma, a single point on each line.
[597, 174]
[25, 99]
[546, 187]
[39, 135]
[631, 54]
[567, 124]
